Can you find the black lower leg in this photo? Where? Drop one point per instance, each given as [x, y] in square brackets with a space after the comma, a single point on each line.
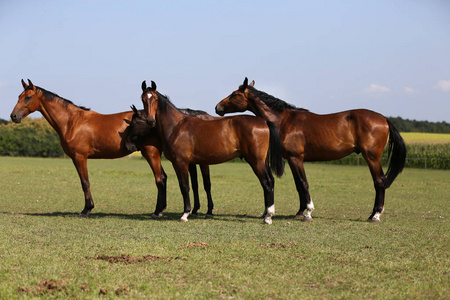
[194, 183]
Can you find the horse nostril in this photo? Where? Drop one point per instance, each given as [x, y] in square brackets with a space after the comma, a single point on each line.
[219, 111]
[151, 123]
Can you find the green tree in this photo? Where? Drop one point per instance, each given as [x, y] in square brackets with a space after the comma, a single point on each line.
[32, 137]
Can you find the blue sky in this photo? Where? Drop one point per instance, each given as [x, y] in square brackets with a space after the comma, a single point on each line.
[327, 56]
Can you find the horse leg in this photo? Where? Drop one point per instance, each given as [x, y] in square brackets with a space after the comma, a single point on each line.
[267, 182]
[376, 171]
[183, 181]
[301, 183]
[207, 186]
[153, 157]
[80, 163]
[194, 183]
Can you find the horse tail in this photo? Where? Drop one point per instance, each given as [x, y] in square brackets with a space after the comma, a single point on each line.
[396, 153]
[275, 149]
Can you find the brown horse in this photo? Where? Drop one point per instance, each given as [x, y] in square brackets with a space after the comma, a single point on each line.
[188, 140]
[138, 131]
[86, 134]
[310, 137]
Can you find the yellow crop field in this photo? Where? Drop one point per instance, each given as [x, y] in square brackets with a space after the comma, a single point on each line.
[425, 138]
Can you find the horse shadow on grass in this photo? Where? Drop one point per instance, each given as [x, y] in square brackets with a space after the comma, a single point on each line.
[167, 216]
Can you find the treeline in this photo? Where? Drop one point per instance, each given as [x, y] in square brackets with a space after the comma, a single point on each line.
[36, 138]
[32, 137]
[405, 125]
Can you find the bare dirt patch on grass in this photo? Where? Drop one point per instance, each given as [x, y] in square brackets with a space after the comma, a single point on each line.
[128, 259]
[197, 245]
[279, 245]
[45, 287]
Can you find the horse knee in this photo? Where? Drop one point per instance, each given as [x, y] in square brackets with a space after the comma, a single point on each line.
[268, 181]
[379, 183]
[161, 180]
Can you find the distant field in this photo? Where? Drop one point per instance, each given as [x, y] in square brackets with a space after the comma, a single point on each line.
[425, 138]
[46, 251]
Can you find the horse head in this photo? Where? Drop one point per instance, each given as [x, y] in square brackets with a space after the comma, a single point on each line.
[237, 101]
[137, 129]
[28, 102]
[150, 98]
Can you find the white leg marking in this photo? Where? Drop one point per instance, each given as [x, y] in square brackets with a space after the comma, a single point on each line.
[309, 209]
[270, 212]
[185, 216]
[377, 216]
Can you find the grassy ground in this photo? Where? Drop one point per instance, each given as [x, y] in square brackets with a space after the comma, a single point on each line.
[47, 251]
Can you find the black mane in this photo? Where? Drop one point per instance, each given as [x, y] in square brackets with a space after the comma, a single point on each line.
[192, 112]
[163, 100]
[52, 97]
[271, 101]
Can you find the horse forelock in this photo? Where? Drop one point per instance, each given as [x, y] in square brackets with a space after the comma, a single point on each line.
[52, 97]
[271, 101]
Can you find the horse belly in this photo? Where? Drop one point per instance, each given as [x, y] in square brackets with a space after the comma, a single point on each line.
[108, 146]
[326, 154]
[214, 152]
[299, 145]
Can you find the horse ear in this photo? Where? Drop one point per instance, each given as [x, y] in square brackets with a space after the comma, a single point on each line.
[24, 84]
[244, 85]
[153, 85]
[252, 84]
[30, 84]
[144, 86]
[134, 109]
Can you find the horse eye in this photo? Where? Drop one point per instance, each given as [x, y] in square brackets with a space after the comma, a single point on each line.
[28, 98]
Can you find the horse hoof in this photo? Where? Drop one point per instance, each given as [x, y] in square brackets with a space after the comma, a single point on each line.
[83, 215]
[307, 219]
[299, 217]
[183, 220]
[192, 215]
[156, 216]
[268, 221]
[209, 216]
[373, 220]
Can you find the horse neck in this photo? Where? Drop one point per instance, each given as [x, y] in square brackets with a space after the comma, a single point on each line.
[58, 115]
[261, 109]
[168, 119]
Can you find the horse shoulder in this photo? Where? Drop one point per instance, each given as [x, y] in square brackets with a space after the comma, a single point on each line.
[293, 123]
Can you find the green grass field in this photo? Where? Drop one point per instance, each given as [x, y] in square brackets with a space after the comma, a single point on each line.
[46, 251]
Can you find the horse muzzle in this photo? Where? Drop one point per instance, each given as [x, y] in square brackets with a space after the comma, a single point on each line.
[220, 111]
[151, 123]
[16, 118]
